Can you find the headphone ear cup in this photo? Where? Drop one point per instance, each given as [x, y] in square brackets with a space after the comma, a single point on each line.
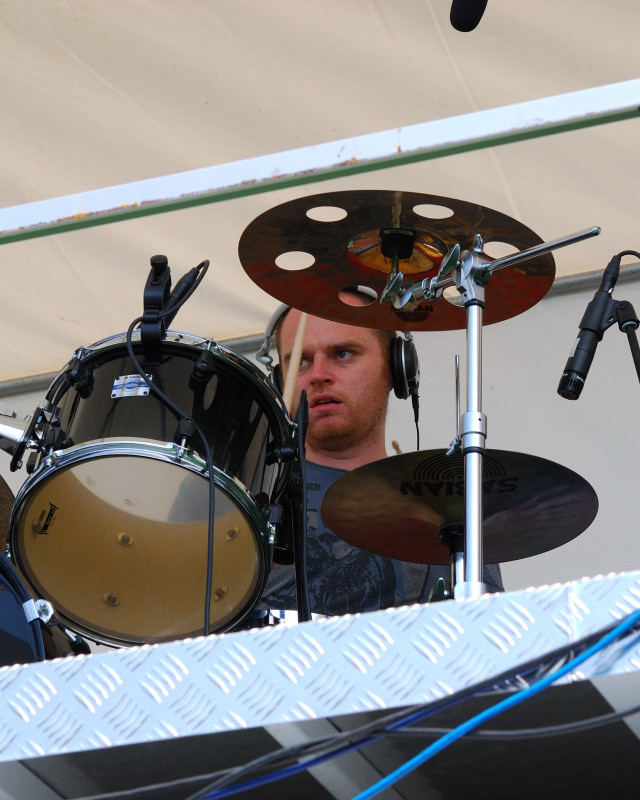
[276, 377]
[405, 370]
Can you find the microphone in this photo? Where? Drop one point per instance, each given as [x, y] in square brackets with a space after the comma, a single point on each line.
[599, 315]
[466, 14]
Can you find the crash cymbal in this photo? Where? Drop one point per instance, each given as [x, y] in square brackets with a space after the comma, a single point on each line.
[396, 507]
[7, 500]
[335, 244]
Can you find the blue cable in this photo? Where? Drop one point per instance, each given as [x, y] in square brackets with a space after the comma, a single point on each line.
[499, 708]
[442, 743]
[303, 766]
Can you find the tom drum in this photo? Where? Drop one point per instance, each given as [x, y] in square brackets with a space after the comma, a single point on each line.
[111, 526]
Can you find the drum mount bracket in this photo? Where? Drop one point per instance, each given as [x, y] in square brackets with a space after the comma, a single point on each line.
[41, 610]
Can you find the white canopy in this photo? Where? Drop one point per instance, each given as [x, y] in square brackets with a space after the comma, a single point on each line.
[106, 93]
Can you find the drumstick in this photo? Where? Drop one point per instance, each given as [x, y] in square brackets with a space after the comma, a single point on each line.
[294, 363]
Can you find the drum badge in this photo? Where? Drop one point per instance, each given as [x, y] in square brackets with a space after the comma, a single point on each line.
[130, 386]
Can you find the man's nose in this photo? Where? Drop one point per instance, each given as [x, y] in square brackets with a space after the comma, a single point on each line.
[321, 369]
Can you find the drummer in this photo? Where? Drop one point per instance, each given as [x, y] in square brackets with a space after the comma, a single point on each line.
[346, 373]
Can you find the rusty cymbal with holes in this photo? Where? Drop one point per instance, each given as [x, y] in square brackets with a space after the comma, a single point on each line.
[397, 507]
[307, 251]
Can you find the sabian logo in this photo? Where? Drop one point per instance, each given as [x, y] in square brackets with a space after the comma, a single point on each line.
[443, 476]
[419, 314]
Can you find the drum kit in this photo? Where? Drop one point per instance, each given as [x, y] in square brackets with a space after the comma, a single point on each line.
[128, 533]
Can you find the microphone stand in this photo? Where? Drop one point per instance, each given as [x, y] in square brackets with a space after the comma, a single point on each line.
[298, 487]
[628, 323]
[600, 314]
[470, 272]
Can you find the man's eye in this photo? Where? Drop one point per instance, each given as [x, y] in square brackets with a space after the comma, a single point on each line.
[342, 354]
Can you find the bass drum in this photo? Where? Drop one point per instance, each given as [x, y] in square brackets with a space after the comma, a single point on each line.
[112, 526]
[20, 640]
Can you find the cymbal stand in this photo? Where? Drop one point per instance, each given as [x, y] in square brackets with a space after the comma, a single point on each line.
[470, 272]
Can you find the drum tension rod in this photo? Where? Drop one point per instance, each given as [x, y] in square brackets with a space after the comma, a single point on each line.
[184, 432]
[287, 452]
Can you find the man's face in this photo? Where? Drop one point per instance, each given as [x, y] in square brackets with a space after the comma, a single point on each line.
[345, 372]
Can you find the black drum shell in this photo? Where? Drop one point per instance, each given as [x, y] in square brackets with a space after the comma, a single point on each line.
[240, 413]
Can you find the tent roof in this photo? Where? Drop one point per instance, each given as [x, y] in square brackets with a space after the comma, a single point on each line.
[105, 93]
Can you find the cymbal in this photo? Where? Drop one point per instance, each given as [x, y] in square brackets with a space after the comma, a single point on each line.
[396, 507]
[7, 500]
[346, 252]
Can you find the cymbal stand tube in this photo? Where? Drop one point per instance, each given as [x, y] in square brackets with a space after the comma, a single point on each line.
[473, 436]
[473, 428]
[542, 249]
[471, 276]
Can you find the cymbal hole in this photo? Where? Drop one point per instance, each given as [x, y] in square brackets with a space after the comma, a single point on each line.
[295, 259]
[327, 213]
[499, 249]
[432, 211]
[453, 296]
[357, 296]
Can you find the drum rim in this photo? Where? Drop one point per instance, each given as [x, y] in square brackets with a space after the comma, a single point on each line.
[185, 340]
[281, 425]
[132, 446]
[167, 452]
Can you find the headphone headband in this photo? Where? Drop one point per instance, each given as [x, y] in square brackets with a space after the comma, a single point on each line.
[403, 358]
[264, 353]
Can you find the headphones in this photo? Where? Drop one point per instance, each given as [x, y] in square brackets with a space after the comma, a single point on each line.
[403, 359]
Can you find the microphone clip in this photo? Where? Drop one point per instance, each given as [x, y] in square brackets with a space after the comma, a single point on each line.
[156, 295]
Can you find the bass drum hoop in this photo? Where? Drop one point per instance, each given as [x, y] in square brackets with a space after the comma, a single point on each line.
[21, 641]
[142, 583]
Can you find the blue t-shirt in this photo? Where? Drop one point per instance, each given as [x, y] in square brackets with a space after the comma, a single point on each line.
[344, 579]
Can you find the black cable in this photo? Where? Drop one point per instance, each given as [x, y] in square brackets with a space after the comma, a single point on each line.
[524, 734]
[372, 731]
[201, 271]
[180, 415]
[498, 735]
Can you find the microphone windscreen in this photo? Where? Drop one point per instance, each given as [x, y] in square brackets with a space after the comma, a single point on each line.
[466, 14]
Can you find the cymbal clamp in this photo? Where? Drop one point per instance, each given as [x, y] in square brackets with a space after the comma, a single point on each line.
[479, 267]
[469, 277]
[393, 291]
[474, 431]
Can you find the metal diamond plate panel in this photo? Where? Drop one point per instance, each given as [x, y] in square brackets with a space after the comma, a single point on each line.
[288, 673]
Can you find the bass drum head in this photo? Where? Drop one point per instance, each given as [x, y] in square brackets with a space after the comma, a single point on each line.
[115, 535]
[20, 640]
